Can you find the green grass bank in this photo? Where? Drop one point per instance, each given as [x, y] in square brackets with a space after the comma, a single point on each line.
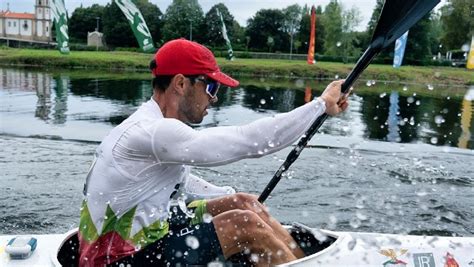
[266, 68]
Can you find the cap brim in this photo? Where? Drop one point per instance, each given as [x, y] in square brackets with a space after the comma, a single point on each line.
[223, 79]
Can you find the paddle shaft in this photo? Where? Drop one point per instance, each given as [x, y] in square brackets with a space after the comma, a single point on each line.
[361, 64]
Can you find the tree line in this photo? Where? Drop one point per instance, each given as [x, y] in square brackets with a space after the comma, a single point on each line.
[284, 30]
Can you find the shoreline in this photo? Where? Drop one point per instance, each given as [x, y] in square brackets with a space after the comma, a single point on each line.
[256, 68]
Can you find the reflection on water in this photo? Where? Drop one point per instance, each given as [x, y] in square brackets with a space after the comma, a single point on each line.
[65, 105]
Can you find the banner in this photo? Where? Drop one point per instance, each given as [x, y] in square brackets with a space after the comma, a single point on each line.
[230, 55]
[400, 50]
[138, 24]
[470, 57]
[312, 37]
[60, 24]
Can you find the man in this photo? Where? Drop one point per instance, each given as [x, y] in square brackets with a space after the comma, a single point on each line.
[136, 209]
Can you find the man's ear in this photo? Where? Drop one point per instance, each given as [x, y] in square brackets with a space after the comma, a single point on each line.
[178, 84]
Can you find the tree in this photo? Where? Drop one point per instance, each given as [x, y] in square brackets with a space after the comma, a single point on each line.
[84, 20]
[213, 33]
[117, 30]
[458, 23]
[292, 15]
[239, 36]
[375, 16]
[350, 20]
[418, 46]
[332, 20]
[267, 23]
[183, 19]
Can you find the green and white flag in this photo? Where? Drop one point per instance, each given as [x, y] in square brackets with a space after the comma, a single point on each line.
[60, 23]
[138, 24]
[226, 38]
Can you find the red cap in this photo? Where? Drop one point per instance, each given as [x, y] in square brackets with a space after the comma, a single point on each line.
[185, 57]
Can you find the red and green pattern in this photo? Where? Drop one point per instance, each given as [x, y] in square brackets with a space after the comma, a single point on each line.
[114, 241]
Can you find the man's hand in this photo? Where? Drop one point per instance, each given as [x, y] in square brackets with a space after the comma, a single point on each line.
[335, 101]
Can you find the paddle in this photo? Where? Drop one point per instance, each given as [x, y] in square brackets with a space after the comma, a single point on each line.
[396, 18]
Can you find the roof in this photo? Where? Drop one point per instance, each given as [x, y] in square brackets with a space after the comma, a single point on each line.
[13, 15]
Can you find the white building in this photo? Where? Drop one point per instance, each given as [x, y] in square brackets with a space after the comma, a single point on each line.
[28, 27]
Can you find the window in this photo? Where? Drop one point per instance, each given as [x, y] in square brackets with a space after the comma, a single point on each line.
[9, 24]
[46, 28]
[39, 3]
[25, 25]
[14, 24]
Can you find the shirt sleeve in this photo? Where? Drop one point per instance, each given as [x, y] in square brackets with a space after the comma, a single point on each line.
[174, 142]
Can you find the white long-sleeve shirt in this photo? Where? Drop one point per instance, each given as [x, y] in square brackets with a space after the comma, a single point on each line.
[142, 160]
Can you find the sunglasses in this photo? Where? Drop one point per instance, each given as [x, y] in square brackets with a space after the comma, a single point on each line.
[212, 87]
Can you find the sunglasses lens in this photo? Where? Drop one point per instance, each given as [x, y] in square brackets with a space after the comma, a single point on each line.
[212, 88]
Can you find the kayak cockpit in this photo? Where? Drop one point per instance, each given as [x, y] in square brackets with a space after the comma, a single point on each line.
[311, 241]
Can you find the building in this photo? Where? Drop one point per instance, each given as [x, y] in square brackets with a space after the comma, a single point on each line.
[28, 27]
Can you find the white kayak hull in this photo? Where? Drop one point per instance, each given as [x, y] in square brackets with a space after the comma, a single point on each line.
[348, 249]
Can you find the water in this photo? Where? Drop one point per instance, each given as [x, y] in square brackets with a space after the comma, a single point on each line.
[399, 161]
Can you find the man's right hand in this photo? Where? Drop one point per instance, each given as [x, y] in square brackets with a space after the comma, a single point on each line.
[335, 101]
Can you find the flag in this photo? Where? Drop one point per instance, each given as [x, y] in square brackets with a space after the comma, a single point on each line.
[138, 24]
[60, 24]
[470, 57]
[312, 37]
[230, 55]
[399, 50]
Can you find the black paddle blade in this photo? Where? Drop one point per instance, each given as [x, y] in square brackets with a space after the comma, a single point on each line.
[397, 17]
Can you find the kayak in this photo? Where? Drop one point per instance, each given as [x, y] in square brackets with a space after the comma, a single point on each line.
[322, 247]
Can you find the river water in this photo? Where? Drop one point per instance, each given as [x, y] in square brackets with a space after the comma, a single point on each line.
[398, 161]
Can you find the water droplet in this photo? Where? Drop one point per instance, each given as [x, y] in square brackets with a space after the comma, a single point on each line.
[271, 144]
[192, 242]
[405, 88]
[338, 44]
[368, 83]
[421, 193]
[410, 99]
[336, 76]
[382, 95]
[206, 217]
[299, 83]
[361, 216]
[439, 119]
[354, 222]
[430, 87]
[434, 140]
[263, 101]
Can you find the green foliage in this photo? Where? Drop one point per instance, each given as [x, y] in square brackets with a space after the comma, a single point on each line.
[182, 16]
[84, 20]
[292, 19]
[213, 34]
[117, 30]
[458, 23]
[333, 25]
[418, 43]
[349, 43]
[267, 24]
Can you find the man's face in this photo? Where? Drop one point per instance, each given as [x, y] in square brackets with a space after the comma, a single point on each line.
[195, 102]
